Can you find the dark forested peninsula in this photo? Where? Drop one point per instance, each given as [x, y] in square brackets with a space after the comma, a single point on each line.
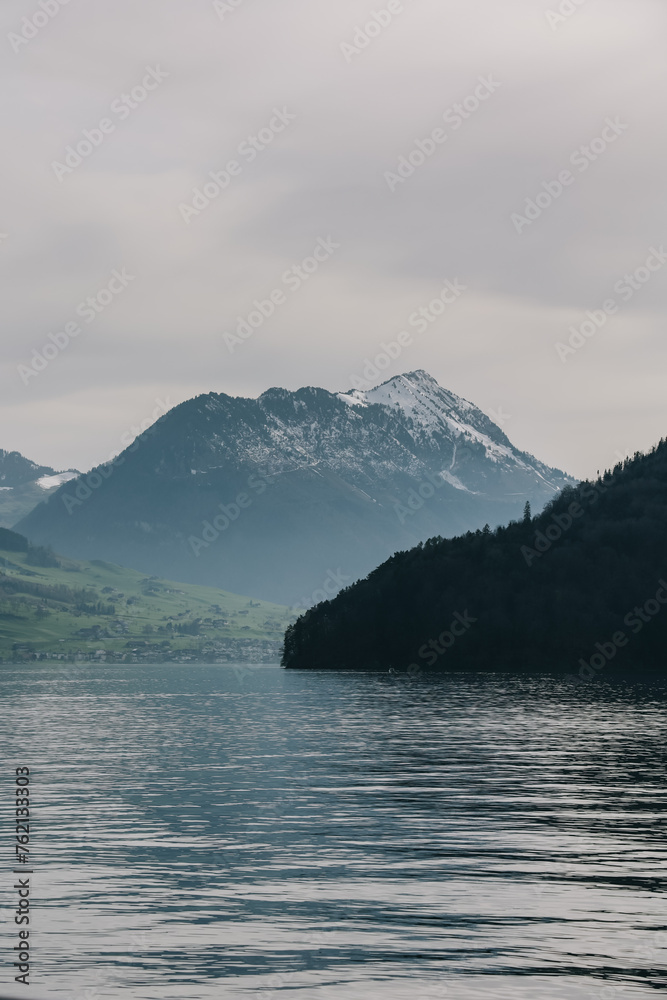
[581, 588]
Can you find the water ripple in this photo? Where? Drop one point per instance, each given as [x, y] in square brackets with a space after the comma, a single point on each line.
[273, 834]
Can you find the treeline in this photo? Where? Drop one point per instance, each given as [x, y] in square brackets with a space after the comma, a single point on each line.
[42, 555]
[577, 588]
[36, 555]
[11, 541]
[81, 600]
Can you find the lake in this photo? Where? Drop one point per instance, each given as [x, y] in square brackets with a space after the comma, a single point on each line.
[237, 831]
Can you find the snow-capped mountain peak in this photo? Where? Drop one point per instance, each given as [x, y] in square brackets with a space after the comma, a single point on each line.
[434, 415]
[262, 496]
[417, 394]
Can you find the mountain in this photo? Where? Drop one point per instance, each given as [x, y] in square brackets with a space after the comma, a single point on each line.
[289, 496]
[57, 608]
[23, 485]
[582, 588]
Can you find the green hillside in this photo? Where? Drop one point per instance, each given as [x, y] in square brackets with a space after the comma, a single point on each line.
[54, 607]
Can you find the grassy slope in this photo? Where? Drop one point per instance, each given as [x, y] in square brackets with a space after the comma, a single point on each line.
[151, 604]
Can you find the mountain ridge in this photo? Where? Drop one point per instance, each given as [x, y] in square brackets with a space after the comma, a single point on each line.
[24, 484]
[266, 496]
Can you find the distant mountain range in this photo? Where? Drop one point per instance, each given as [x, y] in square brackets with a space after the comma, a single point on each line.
[292, 495]
[23, 485]
[581, 589]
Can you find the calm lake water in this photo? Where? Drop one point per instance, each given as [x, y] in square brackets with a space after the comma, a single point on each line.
[212, 831]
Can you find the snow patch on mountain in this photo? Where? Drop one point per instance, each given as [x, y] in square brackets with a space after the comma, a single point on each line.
[455, 482]
[435, 412]
[50, 482]
[407, 427]
[355, 397]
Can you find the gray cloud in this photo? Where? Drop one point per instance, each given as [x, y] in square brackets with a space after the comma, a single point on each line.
[324, 175]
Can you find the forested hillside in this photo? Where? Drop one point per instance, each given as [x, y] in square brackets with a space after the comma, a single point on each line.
[581, 588]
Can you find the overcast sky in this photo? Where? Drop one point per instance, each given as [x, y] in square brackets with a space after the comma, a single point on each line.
[333, 111]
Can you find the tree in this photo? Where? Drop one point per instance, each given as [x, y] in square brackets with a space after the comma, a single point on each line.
[598, 570]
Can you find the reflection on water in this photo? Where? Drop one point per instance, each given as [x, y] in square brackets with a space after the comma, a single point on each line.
[250, 832]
